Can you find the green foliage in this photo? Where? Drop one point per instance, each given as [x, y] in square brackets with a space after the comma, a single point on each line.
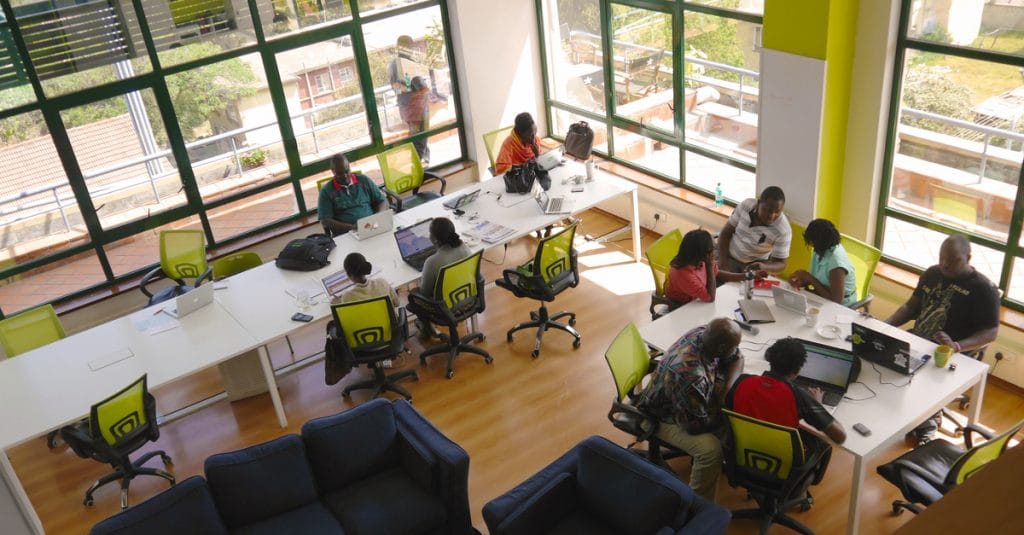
[254, 158]
[932, 90]
[580, 15]
[714, 38]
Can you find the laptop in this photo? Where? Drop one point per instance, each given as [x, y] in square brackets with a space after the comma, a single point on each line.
[190, 302]
[338, 282]
[414, 243]
[550, 159]
[755, 311]
[790, 300]
[462, 201]
[372, 225]
[829, 368]
[885, 350]
[549, 204]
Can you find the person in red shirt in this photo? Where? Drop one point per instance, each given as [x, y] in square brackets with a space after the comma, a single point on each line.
[694, 273]
[521, 145]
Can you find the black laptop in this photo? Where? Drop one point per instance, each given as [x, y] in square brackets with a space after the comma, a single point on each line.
[414, 243]
[462, 201]
[884, 350]
[829, 368]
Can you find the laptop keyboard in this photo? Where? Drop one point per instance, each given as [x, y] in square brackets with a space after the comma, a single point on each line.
[832, 398]
[556, 204]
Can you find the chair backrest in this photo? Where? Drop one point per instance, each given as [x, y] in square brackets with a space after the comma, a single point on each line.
[366, 323]
[628, 360]
[493, 141]
[183, 253]
[30, 329]
[864, 259]
[977, 457]
[458, 282]
[320, 183]
[660, 255]
[763, 449]
[955, 203]
[401, 167]
[235, 263]
[799, 252]
[554, 255]
[122, 416]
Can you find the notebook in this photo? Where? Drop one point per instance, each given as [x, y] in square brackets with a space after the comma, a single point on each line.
[375, 224]
[829, 368]
[549, 204]
[192, 301]
[755, 311]
[462, 201]
[414, 243]
[884, 350]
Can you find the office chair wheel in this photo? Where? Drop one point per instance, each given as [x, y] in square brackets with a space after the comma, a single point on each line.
[572, 321]
[508, 337]
[488, 360]
[166, 460]
[535, 353]
[896, 509]
[576, 344]
[449, 375]
[423, 361]
[964, 403]
[88, 501]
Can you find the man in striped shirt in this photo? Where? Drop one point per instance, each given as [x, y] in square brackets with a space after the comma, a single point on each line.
[757, 235]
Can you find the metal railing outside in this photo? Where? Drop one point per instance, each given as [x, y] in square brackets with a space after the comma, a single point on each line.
[987, 133]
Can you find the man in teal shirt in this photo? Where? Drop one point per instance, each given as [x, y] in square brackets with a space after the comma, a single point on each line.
[347, 198]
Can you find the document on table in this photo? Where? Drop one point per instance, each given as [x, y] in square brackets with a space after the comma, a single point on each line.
[154, 319]
[110, 358]
[312, 287]
[491, 232]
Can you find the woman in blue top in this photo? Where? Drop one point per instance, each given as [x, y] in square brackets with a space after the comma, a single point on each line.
[831, 274]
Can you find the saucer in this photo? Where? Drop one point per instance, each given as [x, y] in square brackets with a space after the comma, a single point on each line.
[828, 332]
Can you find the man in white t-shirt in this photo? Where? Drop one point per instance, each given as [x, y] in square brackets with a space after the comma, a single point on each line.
[757, 235]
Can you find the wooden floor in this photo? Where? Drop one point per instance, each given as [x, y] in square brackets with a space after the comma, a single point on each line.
[512, 417]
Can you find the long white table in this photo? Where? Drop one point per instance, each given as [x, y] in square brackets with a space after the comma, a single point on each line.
[891, 413]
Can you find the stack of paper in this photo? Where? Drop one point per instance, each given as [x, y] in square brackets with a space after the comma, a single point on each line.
[491, 232]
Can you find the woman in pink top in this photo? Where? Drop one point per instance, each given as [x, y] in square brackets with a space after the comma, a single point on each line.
[694, 274]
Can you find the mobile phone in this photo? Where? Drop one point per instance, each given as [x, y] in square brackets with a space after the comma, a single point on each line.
[299, 316]
[862, 429]
[577, 189]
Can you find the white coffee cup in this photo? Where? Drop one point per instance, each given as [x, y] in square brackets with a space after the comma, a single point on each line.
[812, 316]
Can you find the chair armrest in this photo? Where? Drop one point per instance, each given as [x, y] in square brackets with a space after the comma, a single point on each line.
[428, 177]
[646, 431]
[969, 429]
[393, 199]
[705, 517]
[206, 276]
[500, 508]
[542, 510]
[150, 277]
[452, 464]
[863, 303]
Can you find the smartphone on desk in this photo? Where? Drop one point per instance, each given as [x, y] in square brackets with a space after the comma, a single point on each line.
[299, 316]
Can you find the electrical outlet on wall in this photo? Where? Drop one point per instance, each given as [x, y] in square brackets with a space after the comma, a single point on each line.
[660, 217]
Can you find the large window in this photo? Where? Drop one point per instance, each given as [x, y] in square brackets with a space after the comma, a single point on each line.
[687, 112]
[216, 115]
[956, 140]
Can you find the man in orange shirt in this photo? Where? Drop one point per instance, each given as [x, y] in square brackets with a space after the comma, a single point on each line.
[521, 145]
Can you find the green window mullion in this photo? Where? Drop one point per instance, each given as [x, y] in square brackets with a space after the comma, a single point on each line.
[679, 86]
[453, 74]
[366, 86]
[608, 68]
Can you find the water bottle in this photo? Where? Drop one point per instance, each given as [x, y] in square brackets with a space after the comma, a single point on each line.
[719, 200]
[748, 285]
[590, 170]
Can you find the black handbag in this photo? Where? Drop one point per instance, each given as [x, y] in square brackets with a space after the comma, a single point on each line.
[519, 178]
[579, 140]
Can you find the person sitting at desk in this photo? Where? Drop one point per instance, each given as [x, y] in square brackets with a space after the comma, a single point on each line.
[686, 395]
[521, 145]
[450, 248]
[953, 305]
[347, 198]
[693, 273]
[358, 270]
[832, 274]
[774, 398]
[757, 234]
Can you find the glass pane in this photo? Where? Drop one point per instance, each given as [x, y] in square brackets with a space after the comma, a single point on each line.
[960, 137]
[642, 50]
[411, 79]
[747, 6]
[282, 17]
[82, 44]
[706, 173]
[14, 87]
[143, 250]
[563, 119]
[919, 246]
[37, 286]
[241, 216]
[647, 153]
[1017, 281]
[122, 150]
[574, 54]
[721, 92]
[321, 83]
[185, 30]
[367, 7]
[981, 25]
[225, 116]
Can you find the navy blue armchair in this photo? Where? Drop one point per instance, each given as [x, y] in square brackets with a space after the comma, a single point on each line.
[599, 487]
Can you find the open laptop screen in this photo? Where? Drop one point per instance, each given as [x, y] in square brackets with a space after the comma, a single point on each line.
[414, 239]
[827, 365]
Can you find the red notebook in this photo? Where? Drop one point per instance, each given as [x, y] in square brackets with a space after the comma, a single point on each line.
[765, 284]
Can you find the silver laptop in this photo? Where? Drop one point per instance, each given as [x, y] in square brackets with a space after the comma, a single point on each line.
[549, 204]
[550, 159]
[790, 300]
[192, 301]
[375, 224]
[755, 311]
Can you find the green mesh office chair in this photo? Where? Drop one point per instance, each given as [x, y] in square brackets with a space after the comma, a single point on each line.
[799, 252]
[629, 361]
[552, 271]
[404, 175]
[117, 427]
[372, 331]
[928, 472]
[457, 295]
[182, 257]
[492, 142]
[232, 264]
[771, 462]
[864, 259]
[29, 330]
[659, 257]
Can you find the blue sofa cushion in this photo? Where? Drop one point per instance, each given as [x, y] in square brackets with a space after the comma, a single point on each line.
[352, 445]
[312, 519]
[261, 481]
[184, 508]
[542, 512]
[389, 502]
[623, 494]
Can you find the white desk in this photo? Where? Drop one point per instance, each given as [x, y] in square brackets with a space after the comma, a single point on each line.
[893, 411]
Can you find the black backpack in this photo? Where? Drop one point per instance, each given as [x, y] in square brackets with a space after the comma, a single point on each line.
[306, 254]
[579, 140]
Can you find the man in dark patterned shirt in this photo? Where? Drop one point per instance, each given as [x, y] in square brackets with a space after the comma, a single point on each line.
[686, 395]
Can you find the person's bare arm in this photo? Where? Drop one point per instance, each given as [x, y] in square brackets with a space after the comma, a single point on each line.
[335, 227]
[906, 312]
[977, 340]
[724, 238]
[772, 265]
[835, 430]
[836, 284]
[709, 272]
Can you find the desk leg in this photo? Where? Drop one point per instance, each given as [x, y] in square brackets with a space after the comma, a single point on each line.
[275, 396]
[853, 520]
[977, 396]
[10, 479]
[635, 198]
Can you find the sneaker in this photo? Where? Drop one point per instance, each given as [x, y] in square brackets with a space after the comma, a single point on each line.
[387, 363]
[922, 440]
